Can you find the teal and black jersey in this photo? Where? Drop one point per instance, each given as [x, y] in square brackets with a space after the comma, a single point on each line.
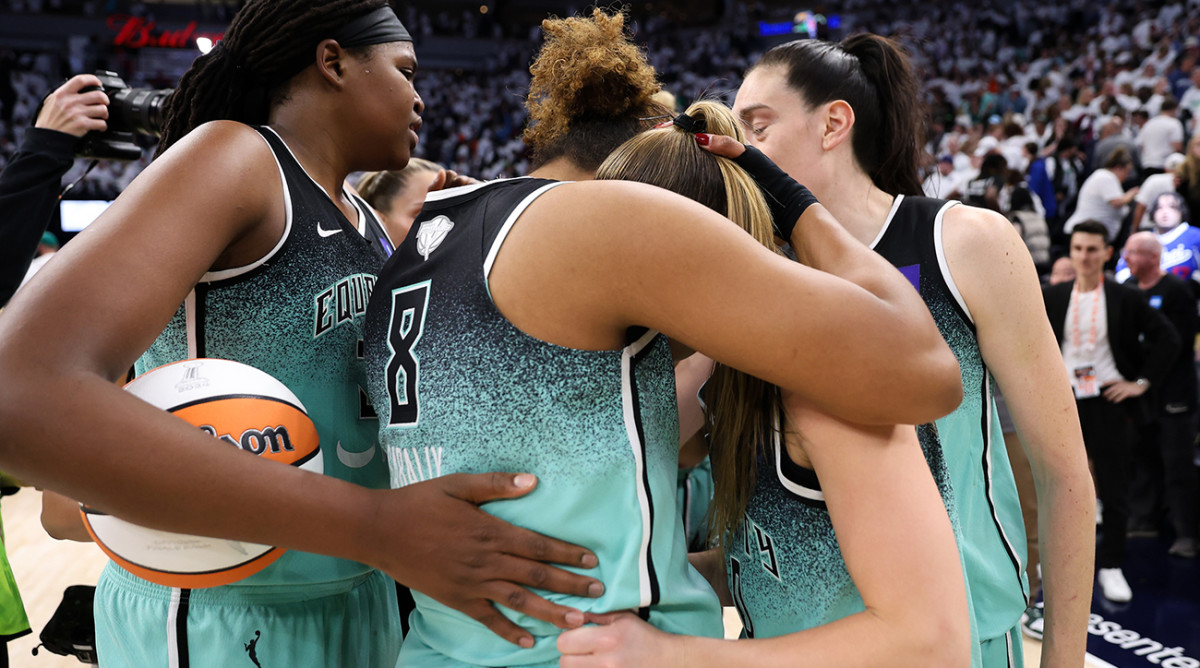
[971, 438]
[785, 568]
[460, 389]
[297, 314]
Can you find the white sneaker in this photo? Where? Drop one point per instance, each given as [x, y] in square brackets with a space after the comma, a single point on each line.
[1113, 585]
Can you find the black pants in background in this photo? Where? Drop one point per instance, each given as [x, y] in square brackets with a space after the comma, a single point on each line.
[1165, 476]
[1109, 435]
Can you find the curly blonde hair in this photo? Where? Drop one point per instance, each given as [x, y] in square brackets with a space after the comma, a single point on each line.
[592, 89]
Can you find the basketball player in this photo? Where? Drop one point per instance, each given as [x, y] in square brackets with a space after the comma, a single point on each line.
[845, 119]
[519, 324]
[816, 475]
[240, 242]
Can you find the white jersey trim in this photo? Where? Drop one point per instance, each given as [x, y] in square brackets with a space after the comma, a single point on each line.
[225, 274]
[988, 444]
[506, 228]
[189, 309]
[361, 225]
[939, 248]
[172, 636]
[635, 444]
[447, 193]
[888, 222]
[788, 484]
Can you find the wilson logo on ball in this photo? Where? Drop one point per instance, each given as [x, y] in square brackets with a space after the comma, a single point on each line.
[238, 405]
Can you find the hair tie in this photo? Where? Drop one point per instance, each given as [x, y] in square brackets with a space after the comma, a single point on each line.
[690, 124]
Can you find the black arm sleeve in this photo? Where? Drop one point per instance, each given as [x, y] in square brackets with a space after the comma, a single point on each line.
[29, 188]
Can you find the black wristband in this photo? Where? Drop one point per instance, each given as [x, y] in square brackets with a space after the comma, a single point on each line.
[786, 198]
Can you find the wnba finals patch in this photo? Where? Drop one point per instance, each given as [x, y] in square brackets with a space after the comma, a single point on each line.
[432, 233]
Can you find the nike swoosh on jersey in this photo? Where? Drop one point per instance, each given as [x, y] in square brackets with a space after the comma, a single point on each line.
[327, 233]
[355, 460]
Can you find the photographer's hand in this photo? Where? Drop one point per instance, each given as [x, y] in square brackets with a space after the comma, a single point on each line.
[73, 112]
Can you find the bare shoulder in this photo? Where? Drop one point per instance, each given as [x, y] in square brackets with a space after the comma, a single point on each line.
[220, 170]
[626, 212]
[225, 147]
[975, 235]
[982, 242]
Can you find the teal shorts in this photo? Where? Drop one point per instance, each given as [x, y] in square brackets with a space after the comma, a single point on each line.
[1005, 651]
[351, 622]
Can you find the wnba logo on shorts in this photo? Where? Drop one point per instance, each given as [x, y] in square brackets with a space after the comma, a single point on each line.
[192, 380]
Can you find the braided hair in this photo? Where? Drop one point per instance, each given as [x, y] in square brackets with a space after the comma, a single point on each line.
[268, 43]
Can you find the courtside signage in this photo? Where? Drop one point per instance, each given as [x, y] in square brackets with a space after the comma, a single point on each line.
[1134, 649]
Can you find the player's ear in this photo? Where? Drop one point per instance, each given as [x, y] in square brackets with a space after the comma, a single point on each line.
[331, 61]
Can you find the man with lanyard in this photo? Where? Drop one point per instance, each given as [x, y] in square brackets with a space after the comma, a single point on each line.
[1100, 326]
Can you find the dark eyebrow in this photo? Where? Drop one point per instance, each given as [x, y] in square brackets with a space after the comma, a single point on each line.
[750, 109]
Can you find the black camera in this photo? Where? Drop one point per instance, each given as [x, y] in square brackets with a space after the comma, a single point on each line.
[132, 112]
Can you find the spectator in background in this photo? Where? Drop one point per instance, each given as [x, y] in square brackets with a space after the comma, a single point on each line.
[1188, 174]
[943, 182]
[1152, 187]
[1066, 169]
[1061, 271]
[1031, 224]
[1180, 241]
[1100, 326]
[1163, 472]
[984, 189]
[1102, 198]
[1040, 182]
[1112, 136]
[1159, 138]
[1190, 100]
[398, 194]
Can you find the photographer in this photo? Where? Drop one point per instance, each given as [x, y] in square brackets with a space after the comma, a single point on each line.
[29, 184]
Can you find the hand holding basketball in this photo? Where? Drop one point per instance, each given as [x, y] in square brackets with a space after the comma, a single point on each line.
[239, 406]
[469, 560]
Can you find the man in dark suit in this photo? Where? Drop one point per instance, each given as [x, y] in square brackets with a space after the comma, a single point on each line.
[1163, 469]
[1115, 348]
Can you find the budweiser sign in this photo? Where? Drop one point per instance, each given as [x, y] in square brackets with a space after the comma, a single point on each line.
[135, 33]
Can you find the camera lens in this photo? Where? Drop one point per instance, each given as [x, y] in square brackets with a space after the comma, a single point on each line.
[138, 110]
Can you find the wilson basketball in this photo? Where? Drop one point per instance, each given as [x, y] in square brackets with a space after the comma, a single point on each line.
[239, 406]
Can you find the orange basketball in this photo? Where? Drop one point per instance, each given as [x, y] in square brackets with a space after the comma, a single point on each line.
[240, 406]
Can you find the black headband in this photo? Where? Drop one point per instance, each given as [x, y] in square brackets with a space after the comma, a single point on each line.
[378, 27]
[690, 124]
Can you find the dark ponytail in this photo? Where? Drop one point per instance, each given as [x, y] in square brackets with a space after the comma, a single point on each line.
[873, 75]
[268, 43]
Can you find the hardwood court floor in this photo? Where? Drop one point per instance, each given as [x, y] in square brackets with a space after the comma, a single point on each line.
[1166, 605]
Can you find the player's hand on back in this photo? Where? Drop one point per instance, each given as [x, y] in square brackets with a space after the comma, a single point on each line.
[470, 560]
[621, 640]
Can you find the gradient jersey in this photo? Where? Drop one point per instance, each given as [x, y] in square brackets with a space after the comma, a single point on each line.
[785, 567]
[297, 314]
[461, 389]
[971, 438]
